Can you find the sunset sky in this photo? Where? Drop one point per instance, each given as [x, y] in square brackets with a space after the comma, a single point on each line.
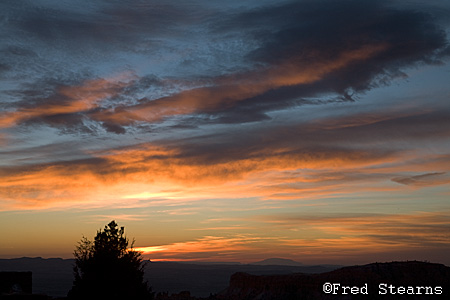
[213, 130]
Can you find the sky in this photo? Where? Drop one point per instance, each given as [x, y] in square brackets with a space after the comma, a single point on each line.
[235, 131]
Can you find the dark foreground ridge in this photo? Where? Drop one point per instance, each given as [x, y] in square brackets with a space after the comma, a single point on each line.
[395, 280]
[54, 276]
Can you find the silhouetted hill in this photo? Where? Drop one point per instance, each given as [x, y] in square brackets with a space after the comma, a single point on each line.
[409, 280]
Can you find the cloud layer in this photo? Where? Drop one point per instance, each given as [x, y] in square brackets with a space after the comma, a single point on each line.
[186, 108]
[297, 57]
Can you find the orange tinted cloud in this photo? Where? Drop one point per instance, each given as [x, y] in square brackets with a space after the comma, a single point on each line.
[70, 99]
[290, 74]
[281, 163]
[149, 172]
[229, 90]
[336, 237]
[213, 248]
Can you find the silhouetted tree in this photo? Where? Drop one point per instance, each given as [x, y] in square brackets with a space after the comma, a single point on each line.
[107, 268]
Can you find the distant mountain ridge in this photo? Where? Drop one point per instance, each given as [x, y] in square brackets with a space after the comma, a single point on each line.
[51, 276]
[277, 262]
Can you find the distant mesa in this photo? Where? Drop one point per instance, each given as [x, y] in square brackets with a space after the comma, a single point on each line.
[277, 262]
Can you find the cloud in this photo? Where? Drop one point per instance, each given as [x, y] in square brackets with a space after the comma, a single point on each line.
[330, 156]
[3, 139]
[229, 91]
[333, 237]
[294, 59]
[152, 172]
[379, 231]
[302, 36]
[427, 179]
[211, 248]
[95, 26]
[310, 52]
[222, 116]
[66, 104]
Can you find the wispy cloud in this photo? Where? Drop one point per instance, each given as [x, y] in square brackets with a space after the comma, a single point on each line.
[424, 179]
[340, 236]
[67, 105]
[293, 162]
[211, 248]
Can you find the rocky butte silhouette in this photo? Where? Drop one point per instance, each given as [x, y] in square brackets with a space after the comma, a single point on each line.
[394, 280]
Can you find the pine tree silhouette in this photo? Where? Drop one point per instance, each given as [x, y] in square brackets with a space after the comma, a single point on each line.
[107, 268]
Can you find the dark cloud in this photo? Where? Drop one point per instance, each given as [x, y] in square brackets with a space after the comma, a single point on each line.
[66, 103]
[359, 46]
[423, 179]
[17, 51]
[32, 156]
[338, 50]
[308, 32]
[87, 163]
[113, 24]
[416, 127]
[305, 31]
[114, 128]
[352, 136]
[4, 68]
[80, 28]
